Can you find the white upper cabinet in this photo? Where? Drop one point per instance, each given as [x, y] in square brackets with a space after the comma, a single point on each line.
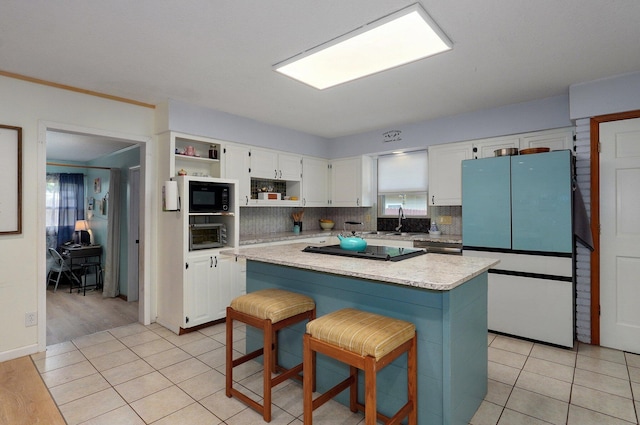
[445, 176]
[268, 164]
[315, 182]
[445, 172]
[556, 140]
[236, 166]
[264, 164]
[351, 182]
[486, 148]
[290, 167]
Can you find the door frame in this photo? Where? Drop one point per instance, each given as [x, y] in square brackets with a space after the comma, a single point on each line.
[595, 213]
[146, 179]
[134, 219]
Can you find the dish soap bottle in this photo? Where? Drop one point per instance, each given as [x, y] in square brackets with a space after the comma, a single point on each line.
[434, 228]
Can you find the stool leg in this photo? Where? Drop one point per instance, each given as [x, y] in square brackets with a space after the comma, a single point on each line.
[370, 408]
[353, 389]
[308, 379]
[412, 379]
[229, 351]
[268, 366]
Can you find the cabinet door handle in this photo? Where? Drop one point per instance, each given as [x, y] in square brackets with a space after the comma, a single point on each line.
[358, 202]
[275, 174]
[433, 199]
[280, 174]
[216, 257]
[210, 262]
[304, 202]
[246, 202]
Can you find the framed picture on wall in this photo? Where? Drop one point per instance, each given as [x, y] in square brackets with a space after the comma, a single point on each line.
[10, 180]
[97, 187]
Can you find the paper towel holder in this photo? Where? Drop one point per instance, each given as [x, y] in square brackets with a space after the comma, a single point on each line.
[170, 198]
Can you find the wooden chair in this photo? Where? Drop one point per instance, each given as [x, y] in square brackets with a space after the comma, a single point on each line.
[364, 341]
[270, 310]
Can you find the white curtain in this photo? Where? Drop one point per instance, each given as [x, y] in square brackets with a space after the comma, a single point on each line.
[112, 262]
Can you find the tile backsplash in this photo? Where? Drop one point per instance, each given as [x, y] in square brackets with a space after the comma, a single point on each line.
[263, 220]
[455, 212]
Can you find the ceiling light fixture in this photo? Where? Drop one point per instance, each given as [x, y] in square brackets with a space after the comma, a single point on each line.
[397, 39]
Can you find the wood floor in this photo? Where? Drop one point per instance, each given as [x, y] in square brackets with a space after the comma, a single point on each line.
[25, 398]
[72, 315]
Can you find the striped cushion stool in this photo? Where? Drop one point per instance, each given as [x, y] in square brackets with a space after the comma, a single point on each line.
[269, 310]
[364, 341]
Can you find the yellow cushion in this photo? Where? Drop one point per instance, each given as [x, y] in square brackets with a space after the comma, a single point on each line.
[274, 304]
[361, 332]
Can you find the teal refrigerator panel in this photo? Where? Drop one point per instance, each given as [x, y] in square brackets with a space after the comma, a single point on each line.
[486, 202]
[541, 202]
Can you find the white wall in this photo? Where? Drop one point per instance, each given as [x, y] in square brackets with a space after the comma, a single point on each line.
[22, 278]
[543, 114]
[605, 96]
[200, 121]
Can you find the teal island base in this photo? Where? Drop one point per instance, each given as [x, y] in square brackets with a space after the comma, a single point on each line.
[452, 337]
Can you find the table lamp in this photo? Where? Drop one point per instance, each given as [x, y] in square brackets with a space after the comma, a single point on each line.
[83, 225]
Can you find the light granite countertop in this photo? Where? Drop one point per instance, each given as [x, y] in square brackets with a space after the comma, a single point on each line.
[431, 271]
[285, 236]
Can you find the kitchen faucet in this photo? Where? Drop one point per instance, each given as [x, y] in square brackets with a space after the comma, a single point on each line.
[400, 217]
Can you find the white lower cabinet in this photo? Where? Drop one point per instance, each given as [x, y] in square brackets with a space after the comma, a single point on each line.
[211, 282]
[201, 290]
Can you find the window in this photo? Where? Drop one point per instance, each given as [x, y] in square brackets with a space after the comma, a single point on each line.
[402, 182]
[64, 205]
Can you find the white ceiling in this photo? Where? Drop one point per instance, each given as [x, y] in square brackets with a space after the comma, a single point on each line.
[219, 54]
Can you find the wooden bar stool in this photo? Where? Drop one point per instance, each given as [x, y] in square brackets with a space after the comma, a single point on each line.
[269, 310]
[364, 341]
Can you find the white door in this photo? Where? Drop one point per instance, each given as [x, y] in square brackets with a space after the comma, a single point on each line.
[134, 235]
[620, 235]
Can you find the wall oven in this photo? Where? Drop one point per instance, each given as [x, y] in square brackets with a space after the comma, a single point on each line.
[207, 236]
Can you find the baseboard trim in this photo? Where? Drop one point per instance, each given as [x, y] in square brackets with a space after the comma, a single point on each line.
[18, 352]
[202, 326]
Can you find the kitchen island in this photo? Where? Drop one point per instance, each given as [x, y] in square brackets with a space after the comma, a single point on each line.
[444, 296]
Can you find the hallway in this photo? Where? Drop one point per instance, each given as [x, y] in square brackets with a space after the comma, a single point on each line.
[72, 315]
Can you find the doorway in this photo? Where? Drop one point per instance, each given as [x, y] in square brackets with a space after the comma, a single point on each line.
[620, 234]
[92, 140]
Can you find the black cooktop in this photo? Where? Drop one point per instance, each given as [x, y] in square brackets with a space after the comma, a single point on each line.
[371, 252]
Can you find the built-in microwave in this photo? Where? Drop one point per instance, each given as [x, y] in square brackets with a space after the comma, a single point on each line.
[207, 236]
[209, 197]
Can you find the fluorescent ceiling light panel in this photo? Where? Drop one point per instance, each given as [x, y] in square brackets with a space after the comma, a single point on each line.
[397, 39]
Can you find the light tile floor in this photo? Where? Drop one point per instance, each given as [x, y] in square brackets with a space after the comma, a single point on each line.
[148, 375]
